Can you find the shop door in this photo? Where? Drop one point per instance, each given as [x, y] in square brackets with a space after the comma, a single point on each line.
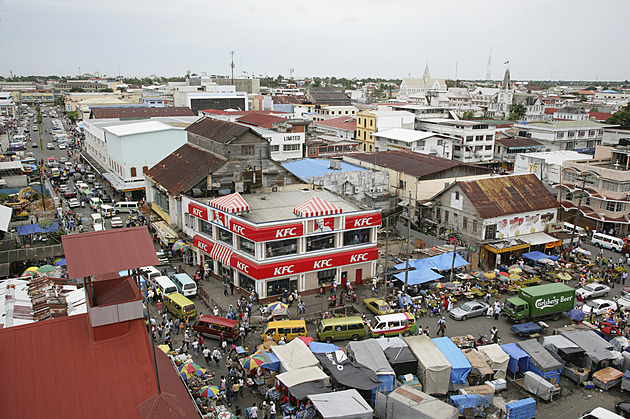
[359, 275]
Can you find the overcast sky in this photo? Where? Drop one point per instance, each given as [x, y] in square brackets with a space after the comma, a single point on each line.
[542, 39]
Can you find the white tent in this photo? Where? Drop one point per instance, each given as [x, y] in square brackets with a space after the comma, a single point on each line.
[347, 404]
[294, 355]
[496, 358]
[408, 402]
[302, 375]
[434, 370]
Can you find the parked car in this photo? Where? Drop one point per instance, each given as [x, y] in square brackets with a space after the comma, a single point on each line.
[97, 185]
[469, 309]
[593, 290]
[377, 306]
[73, 203]
[34, 144]
[117, 222]
[599, 306]
[50, 146]
[62, 146]
[105, 197]
[623, 303]
[69, 194]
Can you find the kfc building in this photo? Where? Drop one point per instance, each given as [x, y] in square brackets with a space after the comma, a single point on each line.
[283, 240]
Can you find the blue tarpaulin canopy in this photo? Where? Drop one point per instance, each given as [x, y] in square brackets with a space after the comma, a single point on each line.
[536, 256]
[27, 229]
[464, 401]
[519, 360]
[460, 367]
[271, 361]
[425, 268]
[322, 347]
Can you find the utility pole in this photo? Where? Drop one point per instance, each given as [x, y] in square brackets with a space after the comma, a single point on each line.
[408, 239]
[577, 213]
[454, 254]
[41, 187]
[386, 249]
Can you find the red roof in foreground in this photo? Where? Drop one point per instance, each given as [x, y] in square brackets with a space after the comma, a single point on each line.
[127, 248]
[343, 122]
[599, 116]
[260, 119]
[551, 110]
[54, 369]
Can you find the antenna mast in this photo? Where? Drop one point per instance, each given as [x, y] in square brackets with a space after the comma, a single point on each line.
[489, 65]
[232, 65]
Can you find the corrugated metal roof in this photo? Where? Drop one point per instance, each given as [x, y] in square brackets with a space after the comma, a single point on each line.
[518, 142]
[260, 120]
[78, 378]
[139, 112]
[306, 168]
[505, 195]
[343, 122]
[102, 252]
[142, 127]
[415, 164]
[184, 168]
[216, 130]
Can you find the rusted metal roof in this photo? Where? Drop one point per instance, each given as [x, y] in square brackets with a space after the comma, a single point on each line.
[139, 112]
[184, 168]
[216, 130]
[103, 252]
[505, 195]
[518, 142]
[415, 164]
[260, 120]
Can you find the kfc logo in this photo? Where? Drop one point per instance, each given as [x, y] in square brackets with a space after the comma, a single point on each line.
[319, 264]
[361, 222]
[240, 230]
[283, 270]
[362, 257]
[242, 267]
[285, 232]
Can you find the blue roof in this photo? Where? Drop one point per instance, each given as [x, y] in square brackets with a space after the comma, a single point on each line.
[424, 272]
[459, 363]
[307, 168]
[27, 229]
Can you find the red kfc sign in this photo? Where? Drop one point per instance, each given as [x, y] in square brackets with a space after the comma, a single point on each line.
[202, 244]
[266, 233]
[360, 221]
[198, 211]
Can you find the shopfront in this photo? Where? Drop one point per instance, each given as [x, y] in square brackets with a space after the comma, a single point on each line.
[503, 252]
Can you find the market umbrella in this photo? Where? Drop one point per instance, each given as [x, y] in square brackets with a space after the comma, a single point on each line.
[490, 275]
[165, 348]
[180, 245]
[209, 391]
[514, 277]
[46, 268]
[306, 339]
[477, 274]
[575, 314]
[440, 285]
[252, 362]
[60, 262]
[30, 271]
[189, 369]
[278, 308]
[564, 276]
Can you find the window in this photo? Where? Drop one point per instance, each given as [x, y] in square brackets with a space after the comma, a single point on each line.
[437, 214]
[281, 248]
[479, 138]
[488, 147]
[474, 228]
[610, 185]
[319, 242]
[290, 147]
[457, 196]
[247, 283]
[402, 185]
[247, 246]
[225, 236]
[569, 176]
[469, 138]
[560, 135]
[465, 223]
[440, 142]
[356, 237]
[133, 172]
[276, 147]
[488, 137]
[581, 133]
[612, 206]
[624, 187]
[591, 133]
[161, 200]
[145, 169]
[278, 286]
[247, 149]
[445, 217]
[206, 227]
[491, 231]
[571, 134]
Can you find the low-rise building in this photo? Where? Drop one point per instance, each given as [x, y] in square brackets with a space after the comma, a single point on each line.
[371, 121]
[564, 135]
[473, 140]
[547, 166]
[413, 140]
[507, 149]
[325, 112]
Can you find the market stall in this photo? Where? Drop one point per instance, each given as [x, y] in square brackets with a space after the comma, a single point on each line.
[434, 370]
[408, 402]
[347, 372]
[369, 353]
[541, 362]
[526, 330]
[519, 359]
[568, 351]
[402, 360]
[347, 404]
[598, 351]
[496, 358]
[607, 378]
[480, 371]
[460, 367]
[537, 385]
[294, 355]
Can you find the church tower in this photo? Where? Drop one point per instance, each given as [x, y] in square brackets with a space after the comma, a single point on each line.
[505, 96]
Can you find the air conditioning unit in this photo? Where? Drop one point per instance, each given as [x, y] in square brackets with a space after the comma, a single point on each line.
[356, 189]
[379, 189]
[372, 189]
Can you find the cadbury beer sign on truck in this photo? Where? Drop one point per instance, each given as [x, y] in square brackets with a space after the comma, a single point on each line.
[539, 302]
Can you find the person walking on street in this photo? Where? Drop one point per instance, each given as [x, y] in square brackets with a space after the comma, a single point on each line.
[176, 323]
[216, 356]
[235, 390]
[195, 346]
[206, 355]
[441, 326]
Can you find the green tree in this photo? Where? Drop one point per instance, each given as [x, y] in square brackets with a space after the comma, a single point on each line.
[77, 89]
[107, 90]
[582, 97]
[518, 112]
[621, 117]
[73, 116]
[468, 115]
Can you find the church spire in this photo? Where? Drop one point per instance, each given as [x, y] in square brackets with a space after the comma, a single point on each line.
[506, 80]
[427, 74]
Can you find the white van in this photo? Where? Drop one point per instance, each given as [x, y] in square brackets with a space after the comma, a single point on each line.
[95, 203]
[90, 178]
[97, 222]
[165, 285]
[107, 211]
[600, 413]
[150, 273]
[579, 231]
[125, 206]
[607, 242]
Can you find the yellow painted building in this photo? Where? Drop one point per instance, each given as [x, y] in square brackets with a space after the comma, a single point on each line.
[366, 126]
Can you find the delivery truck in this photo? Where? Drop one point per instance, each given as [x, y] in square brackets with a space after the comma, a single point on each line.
[540, 302]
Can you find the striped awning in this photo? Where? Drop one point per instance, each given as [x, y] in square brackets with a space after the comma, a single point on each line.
[221, 253]
[231, 204]
[316, 207]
